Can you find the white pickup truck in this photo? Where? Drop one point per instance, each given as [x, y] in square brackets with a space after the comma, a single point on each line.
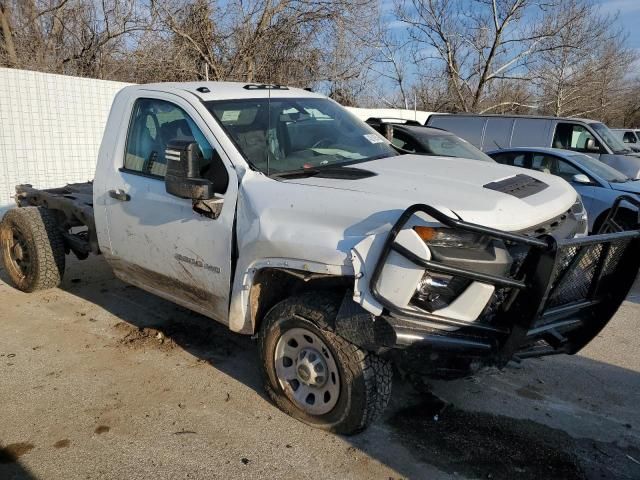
[276, 212]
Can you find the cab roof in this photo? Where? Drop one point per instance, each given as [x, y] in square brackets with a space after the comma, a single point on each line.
[210, 91]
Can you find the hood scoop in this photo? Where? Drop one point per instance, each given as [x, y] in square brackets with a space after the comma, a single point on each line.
[520, 186]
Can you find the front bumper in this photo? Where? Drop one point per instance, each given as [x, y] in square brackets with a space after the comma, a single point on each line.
[563, 294]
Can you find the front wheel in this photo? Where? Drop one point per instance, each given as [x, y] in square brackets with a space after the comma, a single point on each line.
[315, 375]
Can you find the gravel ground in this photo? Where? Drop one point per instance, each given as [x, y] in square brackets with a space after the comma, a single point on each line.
[102, 380]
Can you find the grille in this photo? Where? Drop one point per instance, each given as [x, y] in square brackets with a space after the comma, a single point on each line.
[577, 268]
[550, 226]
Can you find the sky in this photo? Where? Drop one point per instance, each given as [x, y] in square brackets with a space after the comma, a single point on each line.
[629, 17]
[626, 11]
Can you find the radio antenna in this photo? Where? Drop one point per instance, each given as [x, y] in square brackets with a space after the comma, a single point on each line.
[269, 140]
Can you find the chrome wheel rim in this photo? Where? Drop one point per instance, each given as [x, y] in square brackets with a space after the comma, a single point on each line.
[307, 371]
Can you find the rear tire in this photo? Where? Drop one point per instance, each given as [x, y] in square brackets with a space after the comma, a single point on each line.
[32, 248]
[348, 387]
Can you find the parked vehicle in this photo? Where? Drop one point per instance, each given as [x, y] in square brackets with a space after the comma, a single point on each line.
[276, 212]
[410, 137]
[630, 137]
[365, 114]
[598, 184]
[488, 132]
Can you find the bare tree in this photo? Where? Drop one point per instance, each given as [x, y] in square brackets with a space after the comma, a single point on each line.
[392, 68]
[584, 69]
[8, 56]
[279, 41]
[480, 41]
[499, 56]
[67, 36]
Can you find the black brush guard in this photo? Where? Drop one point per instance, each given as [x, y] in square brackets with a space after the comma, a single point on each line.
[563, 295]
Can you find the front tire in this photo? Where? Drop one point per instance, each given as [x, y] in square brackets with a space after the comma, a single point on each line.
[317, 376]
[32, 248]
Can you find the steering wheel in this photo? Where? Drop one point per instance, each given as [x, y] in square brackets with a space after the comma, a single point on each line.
[319, 143]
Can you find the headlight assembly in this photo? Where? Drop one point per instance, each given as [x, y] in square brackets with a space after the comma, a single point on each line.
[449, 237]
[578, 207]
[438, 290]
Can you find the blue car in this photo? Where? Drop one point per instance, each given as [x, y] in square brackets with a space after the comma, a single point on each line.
[597, 183]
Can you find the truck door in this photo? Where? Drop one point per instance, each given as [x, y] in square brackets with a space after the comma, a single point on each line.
[157, 241]
[574, 136]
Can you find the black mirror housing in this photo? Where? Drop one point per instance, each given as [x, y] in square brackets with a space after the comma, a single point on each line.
[183, 171]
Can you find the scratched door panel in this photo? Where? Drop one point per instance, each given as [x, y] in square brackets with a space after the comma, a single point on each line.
[159, 242]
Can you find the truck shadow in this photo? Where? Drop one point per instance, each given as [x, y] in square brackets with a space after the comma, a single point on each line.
[150, 321]
[10, 466]
[498, 425]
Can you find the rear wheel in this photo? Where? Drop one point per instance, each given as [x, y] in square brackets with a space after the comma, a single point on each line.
[315, 375]
[32, 248]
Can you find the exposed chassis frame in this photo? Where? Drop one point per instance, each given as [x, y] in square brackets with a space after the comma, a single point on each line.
[74, 206]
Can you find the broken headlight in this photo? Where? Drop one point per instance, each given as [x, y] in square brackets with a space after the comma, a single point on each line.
[438, 290]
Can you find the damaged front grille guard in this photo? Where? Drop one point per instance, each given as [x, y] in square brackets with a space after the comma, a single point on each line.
[523, 320]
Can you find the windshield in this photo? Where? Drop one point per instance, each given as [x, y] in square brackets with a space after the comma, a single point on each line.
[448, 145]
[598, 168]
[282, 135]
[610, 138]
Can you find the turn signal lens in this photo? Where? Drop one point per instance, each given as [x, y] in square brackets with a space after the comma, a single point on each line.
[426, 233]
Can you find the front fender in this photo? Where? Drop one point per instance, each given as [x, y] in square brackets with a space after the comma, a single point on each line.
[240, 318]
[399, 277]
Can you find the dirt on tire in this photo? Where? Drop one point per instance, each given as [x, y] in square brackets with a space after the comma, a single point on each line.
[43, 246]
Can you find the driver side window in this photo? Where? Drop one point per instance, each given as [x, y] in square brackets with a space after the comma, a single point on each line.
[155, 123]
[572, 136]
[566, 170]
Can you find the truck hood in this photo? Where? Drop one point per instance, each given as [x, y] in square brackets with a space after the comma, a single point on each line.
[459, 186]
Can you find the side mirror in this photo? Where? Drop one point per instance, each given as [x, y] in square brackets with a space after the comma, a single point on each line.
[582, 179]
[183, 171]
[591, 146]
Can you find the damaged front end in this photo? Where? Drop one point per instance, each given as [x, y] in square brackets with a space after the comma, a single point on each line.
[512, 296]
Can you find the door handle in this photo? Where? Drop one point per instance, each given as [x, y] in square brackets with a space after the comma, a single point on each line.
[120, 195]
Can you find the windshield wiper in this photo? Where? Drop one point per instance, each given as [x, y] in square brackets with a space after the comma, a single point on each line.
[299, 173]
[338, 172]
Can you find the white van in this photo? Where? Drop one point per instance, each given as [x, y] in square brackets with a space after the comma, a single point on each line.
[488, 132]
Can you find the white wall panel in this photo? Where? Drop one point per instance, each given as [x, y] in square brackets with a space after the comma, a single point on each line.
[50, 128]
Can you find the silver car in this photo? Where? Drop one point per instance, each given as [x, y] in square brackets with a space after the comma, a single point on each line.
[629, 136]
[598, 184]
